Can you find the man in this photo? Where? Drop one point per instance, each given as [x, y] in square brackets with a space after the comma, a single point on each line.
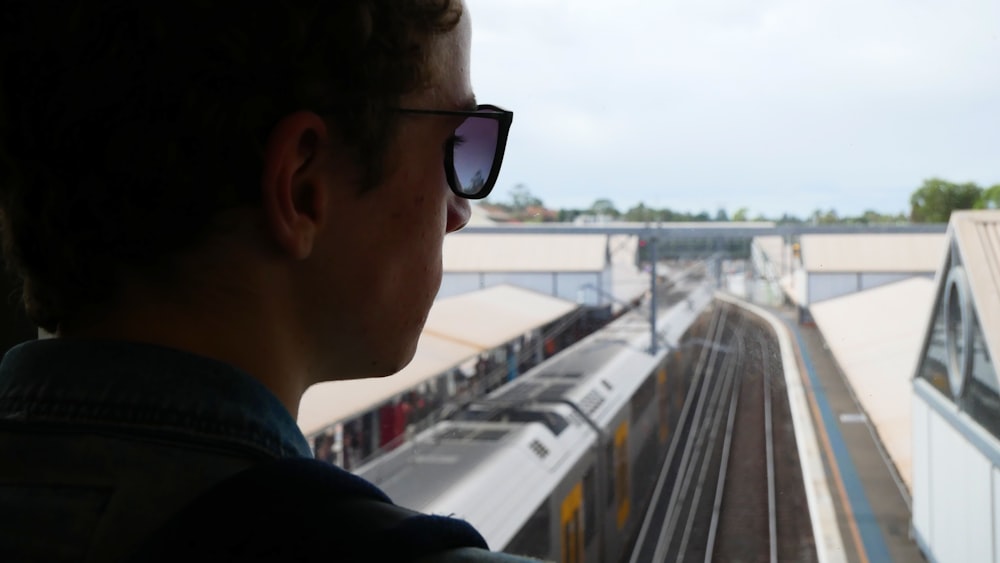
[213, 206]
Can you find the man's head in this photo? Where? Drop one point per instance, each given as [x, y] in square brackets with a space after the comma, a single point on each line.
[259, 150]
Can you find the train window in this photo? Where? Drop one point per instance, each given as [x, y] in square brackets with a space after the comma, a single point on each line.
[642, 399]
[553, 421]
[645, 472]
[533, 539]
[589, 507]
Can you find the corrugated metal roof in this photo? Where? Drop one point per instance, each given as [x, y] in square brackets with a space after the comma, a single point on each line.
[876, 252]
[977, 235]
[525, 253]
[876, 337]
[457, 329]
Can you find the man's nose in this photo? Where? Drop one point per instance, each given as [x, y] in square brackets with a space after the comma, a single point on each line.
[459, 212]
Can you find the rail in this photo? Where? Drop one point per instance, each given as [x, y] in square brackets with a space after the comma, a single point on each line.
[822, 516]
[716, 495]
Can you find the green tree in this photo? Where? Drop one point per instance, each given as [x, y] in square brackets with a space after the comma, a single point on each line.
[605, 207]
[721, 215]
[789, 219]
[990, 198]
[828, 217]
[934, 201]
[741, 214]
[569, 215]
[521, 198]
[640, 213]
[872, 217]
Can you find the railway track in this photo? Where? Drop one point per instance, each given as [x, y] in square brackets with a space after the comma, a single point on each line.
[731, 488]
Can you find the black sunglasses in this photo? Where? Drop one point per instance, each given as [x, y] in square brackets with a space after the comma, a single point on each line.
[473, 154]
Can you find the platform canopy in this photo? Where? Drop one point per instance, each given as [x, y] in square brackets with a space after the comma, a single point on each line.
[876, 336]
[874, 252]
[457, 329]
[525, 253]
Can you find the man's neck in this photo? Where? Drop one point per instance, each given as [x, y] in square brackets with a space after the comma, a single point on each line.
[227, 326]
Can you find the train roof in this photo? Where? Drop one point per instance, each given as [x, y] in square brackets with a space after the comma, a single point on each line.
[454, 333]
[492, 474]
[601, 373]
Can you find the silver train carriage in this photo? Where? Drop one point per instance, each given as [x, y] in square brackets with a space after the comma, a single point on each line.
[560, 463]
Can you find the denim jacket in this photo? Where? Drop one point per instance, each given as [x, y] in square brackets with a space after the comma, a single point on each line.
[103, 441]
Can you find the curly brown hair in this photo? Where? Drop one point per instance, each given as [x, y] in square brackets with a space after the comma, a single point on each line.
[127, 127]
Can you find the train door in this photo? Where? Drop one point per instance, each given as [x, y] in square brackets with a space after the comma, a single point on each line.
[621, 471]
[571, 528]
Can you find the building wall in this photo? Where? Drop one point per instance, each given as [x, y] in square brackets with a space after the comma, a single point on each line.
[823, 286]
[956, 483]
[457, 283]
[869, 281]
[586, 288]
[828, 286]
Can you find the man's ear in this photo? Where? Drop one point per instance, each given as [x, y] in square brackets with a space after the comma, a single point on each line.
[293, 193]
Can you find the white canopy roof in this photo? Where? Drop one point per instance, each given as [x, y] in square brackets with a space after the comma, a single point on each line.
[490, 317]
[876, 336]
[457, 329]
[525, 253]
[876, 252]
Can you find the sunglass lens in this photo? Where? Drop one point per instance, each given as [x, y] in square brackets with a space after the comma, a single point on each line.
[474, 150]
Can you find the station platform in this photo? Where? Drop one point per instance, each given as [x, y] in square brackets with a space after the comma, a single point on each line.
[871, 500]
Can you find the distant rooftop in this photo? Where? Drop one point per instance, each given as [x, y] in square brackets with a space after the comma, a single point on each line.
[525, 253]
[878, 252]
[977, 236]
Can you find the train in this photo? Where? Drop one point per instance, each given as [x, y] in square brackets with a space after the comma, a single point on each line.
[560, 463]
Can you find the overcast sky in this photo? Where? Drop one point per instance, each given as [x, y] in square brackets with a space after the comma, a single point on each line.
[775, 105]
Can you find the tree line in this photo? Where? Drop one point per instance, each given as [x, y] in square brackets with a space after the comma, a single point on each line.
[932, 202]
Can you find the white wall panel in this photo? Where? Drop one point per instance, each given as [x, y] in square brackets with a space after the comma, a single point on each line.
[458, 283]
[923, 449]
[962, 499]
[540, 282]
[869, 281]
[607, 282]
[570, 286]
[799, 287]
[978, 476]
[827, 286]
[996, 515]
[565, 285]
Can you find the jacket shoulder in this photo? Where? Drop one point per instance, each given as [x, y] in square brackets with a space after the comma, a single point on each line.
[474, 555]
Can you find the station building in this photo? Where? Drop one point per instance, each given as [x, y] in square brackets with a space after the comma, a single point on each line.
[956, 400]
[572, 267]
[819, 267]
[842, 264]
